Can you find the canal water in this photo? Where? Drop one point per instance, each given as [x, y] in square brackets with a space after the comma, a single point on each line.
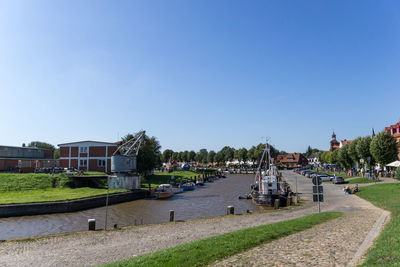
[210, 200]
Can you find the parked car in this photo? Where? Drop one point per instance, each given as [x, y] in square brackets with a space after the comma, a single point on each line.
[308, 174]
[338, 180]
[325, 178]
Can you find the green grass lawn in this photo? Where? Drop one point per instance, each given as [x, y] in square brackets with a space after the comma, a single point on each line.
[95, 173]
[165, 178]
[386, 250]
[51, 194]
[361, 181]
[28, 181]
[208, 250]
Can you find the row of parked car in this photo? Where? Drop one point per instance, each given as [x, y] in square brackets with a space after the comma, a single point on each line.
[323, 176]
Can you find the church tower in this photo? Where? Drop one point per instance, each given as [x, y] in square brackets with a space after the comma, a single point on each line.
[334, 143]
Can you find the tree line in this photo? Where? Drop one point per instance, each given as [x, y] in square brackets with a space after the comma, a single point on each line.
[227, 153]
[380, 149]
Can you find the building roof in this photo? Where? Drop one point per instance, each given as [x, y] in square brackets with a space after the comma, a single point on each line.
[290, 158]
[26, 147]
[397, 125]
[345, 142]
[88, 142]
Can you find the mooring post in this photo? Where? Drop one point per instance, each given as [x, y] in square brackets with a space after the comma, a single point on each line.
[171, 215]
[92, 224]
[276, 204]
[230, 210]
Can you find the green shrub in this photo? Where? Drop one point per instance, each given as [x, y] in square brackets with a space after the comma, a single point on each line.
[397, 173]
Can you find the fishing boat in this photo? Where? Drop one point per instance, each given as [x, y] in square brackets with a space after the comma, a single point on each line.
[164, 191]
[189, 186]
[268, 185]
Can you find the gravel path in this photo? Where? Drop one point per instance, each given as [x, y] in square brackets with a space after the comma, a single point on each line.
[90, 249]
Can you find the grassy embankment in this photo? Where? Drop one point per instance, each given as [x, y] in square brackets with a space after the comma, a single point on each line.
[344, 175]
[166, 178]
[31, 187]
[208, 250]
[386, 250]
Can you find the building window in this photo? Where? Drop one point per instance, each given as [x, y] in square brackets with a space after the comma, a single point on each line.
[83, 149]
[101, 163]
[83, 162]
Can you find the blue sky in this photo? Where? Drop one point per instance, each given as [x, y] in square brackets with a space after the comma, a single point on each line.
[198, 74]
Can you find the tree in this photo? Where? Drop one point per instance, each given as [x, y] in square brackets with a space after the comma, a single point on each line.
[344, 158]
[56, 154]
[242, 155]
[325, 156]
[308, 152]
[181, 156]
[175, 156]
[192, 155]
[383, 148]
[39, 144]
[149, 154]
[203, 155]
[219, 157]
[352, 150]
[211, 156]
[335, 157]
[185, 156]
[251, 154]
[363, 149]
[166, 155]
[229, 153]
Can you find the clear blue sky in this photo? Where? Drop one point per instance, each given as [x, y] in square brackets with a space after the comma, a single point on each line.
[198, 74]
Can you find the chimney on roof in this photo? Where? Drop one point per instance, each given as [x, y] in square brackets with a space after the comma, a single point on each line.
[23, 144]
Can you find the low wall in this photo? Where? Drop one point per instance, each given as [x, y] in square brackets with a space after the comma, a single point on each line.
[67, 206]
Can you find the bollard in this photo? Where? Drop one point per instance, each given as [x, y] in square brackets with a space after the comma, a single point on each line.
[171, 215]
[230, 210]
[92, 224]
[289, 201]
[276, 204]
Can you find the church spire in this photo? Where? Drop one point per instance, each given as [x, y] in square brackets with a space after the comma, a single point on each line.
[373, 132]
[334, 135]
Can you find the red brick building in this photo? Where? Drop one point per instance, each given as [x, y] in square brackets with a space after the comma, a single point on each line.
[25, 159]
[394, 130]
[87, 155]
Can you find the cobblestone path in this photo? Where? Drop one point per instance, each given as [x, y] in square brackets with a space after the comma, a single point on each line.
[330, 244]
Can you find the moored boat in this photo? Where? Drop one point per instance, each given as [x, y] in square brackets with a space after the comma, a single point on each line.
[268, 185]
[164, 191]
[189, 186]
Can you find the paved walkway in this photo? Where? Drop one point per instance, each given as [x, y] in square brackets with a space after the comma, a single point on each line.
[89, 249]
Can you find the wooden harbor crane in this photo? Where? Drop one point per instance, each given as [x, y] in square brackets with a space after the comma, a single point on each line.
[124, 164]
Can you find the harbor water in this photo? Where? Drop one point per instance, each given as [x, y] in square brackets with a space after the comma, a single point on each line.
[209, 200]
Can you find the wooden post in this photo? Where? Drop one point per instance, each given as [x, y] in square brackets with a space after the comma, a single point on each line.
[92, 224]
[276, 204]
[230, 210]
[171, 215]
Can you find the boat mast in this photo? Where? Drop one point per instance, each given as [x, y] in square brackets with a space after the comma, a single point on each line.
[259, 165]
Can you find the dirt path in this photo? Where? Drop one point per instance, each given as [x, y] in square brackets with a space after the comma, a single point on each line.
[89, 249]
